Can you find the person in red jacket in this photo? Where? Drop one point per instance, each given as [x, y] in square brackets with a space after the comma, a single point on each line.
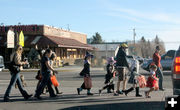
[157, 61]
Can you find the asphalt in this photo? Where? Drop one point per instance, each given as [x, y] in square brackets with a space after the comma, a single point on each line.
[69, 100]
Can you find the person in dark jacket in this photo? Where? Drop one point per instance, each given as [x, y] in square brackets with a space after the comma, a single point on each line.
[46, 74]
[86, 73]
[109, 82]
[121, 66]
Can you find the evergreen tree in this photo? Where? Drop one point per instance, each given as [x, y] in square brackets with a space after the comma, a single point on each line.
[96, 39]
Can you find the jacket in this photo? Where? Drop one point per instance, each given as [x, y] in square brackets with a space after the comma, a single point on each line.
[86, 69]
[121, 58]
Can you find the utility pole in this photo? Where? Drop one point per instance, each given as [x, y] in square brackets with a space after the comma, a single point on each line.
[134, 38]
[68, 27]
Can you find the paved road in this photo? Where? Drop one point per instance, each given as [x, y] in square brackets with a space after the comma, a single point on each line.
[69, 81]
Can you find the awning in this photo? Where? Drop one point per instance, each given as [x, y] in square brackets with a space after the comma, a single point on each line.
[53, 41]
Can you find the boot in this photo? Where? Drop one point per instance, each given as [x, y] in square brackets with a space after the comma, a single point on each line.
[129, 90]
[26, 95]
[137, 92]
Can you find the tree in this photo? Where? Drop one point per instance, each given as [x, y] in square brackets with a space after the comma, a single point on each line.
[157, 40]
[96, 39]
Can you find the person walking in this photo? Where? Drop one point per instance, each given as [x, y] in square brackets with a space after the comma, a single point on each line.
[157, 61]
[86, 73]
[15, 67]
[121, 67]
[152, 80]
[52, 59]
[133, 78]
[109, 82]
[46, 74]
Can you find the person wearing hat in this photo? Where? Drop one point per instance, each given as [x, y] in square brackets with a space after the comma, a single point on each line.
[109, 82]
[157, 61]
[86, 73]
[121, 65]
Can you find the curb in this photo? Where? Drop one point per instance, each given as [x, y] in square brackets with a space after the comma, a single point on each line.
[6, 70]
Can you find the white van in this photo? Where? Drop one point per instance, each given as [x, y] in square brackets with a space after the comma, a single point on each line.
[1, 63]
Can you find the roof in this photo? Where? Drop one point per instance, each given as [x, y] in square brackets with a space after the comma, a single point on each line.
[68, 42]
[53, 41]
[105, 47]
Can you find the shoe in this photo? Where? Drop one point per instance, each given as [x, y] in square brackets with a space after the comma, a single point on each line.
[6, 99]
[123, 90]
[38, 97]
[137, 92]
[109, 91]
[90, 94]
[100, 92]
[53, 96]
[27, 97]
[138, 95]
[78, 91]
[119, 92]
[116, 94]
[60, 93]
[146, 95]
[129, 90]
[162, 89]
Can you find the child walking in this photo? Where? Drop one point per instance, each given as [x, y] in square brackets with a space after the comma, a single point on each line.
[133, 78]
[109, 82]
[152, 80]
[86, 73]
[52, 59]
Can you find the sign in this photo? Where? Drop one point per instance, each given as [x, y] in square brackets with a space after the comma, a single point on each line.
[10, 38]
[21, 39]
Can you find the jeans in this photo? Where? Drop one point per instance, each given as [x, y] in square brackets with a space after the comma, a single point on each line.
[45, 81]
[160, 76]
[15, 78]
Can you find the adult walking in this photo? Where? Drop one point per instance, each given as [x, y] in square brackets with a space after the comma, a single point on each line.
[46, 73]
[86, 73]
[157, 61]
[121, 67]
[15, 67]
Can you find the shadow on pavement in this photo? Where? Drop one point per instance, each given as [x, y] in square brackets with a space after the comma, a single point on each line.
[122, 106]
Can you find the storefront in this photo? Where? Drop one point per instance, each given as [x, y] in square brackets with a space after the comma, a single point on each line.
[68, 45]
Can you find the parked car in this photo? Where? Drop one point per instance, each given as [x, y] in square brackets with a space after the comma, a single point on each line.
[140, 59]
[1, 63]
[176, 73]
[166, 61]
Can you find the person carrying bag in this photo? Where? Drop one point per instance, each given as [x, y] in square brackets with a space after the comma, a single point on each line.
[14, 68]
[87, 84]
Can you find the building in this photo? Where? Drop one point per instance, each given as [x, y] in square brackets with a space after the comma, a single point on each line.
[105, 50]
[68, 45]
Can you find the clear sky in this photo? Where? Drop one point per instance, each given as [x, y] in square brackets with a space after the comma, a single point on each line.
[113, 19]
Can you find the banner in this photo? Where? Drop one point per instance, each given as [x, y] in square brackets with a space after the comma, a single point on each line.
[10, 38]
[21, 39]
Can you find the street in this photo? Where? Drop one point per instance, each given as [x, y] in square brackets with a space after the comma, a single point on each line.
[69, 100]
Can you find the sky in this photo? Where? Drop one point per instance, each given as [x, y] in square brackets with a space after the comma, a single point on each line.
[113, 19]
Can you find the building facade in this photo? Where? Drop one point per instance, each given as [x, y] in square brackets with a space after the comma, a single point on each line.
[68, 45]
